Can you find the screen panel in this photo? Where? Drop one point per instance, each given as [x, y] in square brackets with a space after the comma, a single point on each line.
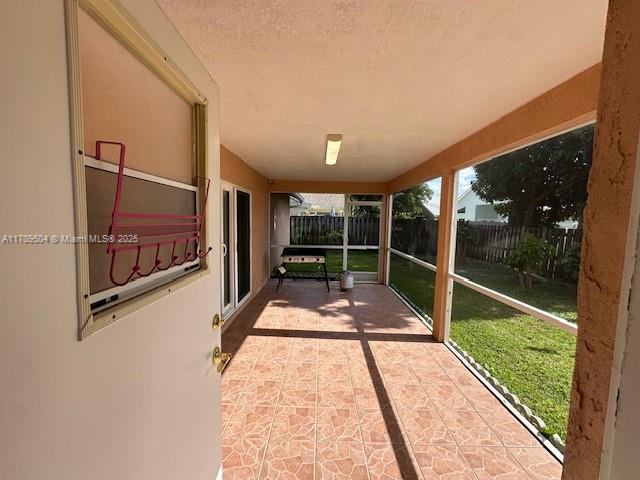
[137, 196]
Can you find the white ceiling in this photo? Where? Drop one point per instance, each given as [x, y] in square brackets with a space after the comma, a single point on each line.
[401, 80]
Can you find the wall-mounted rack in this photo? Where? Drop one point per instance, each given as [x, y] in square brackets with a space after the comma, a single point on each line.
[181, 233]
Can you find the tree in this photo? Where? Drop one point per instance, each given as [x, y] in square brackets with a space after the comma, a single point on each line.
[541, 184]
[410, 203]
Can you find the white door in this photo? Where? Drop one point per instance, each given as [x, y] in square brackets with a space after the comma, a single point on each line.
[140, 398]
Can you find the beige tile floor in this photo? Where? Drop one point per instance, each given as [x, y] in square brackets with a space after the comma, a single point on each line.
[328, 385]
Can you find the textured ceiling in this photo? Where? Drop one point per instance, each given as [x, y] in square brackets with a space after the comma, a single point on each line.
[401, 80]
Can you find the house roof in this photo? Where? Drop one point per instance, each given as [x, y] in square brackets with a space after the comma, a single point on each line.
[323, 202]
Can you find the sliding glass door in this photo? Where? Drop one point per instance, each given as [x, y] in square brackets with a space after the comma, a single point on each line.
[236, 247]
[243, 244]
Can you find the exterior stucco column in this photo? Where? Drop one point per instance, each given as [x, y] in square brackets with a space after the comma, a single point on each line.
[601, 294]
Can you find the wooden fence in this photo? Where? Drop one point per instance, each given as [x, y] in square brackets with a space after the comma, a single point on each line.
[494, 243]
[481, 241]
[418, 237]
[326, 230]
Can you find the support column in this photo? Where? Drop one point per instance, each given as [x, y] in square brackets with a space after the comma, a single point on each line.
[603, 289]
[445, 258]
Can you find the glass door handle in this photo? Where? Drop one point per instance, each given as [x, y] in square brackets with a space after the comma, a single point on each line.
[224, 249]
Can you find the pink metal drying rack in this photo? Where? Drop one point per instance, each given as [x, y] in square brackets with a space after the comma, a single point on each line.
[153, 230]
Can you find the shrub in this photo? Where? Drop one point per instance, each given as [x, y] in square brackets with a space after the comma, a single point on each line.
[570, 262]
[463, 237]
[334, 237]
[527, 255]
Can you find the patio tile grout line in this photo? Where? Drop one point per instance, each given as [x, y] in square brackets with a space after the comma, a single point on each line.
[458, 446]
[502, 445]
[355, 403]
[266, 448]
[399, 419]
[235, 404]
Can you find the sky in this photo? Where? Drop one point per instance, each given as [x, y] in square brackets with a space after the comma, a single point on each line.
[465, 177]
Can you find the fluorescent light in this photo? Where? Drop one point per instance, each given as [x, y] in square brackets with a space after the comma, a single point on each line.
[334, 140]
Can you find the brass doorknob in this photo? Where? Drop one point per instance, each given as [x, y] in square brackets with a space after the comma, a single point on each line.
[220, 359]
[217, 322]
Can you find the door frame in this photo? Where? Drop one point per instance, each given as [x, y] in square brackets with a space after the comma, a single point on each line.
[230, 307]
[232, 248]
[363, 277]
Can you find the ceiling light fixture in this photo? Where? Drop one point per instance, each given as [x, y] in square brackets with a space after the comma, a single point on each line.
[334, 140]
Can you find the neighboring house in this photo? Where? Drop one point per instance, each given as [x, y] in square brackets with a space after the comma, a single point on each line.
[472, 208]
[432, 207]
[310, 204]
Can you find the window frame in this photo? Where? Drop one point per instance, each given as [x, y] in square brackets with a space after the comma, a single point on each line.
[117, 22]
[523, 307]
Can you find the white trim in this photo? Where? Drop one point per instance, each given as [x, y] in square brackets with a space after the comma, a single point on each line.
[133, 288]
[232, 250]
[326, 247]
[345, 232]
[229, 308]
[388, 225]
[113, 168]
[365, 277]
[453, 218]
[413, 259]
[546, 317]
[368, 203]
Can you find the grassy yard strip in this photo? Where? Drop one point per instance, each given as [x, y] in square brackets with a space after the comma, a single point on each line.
[552, 296]
[358, 261]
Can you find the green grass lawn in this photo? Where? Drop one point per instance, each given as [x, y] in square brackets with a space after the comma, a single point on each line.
[532, 359]
[552, 296]
[357, 261]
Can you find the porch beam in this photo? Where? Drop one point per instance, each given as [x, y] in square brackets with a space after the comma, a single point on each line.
[607, 253]
[567, 106]
[445, 258]
[319, 186]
